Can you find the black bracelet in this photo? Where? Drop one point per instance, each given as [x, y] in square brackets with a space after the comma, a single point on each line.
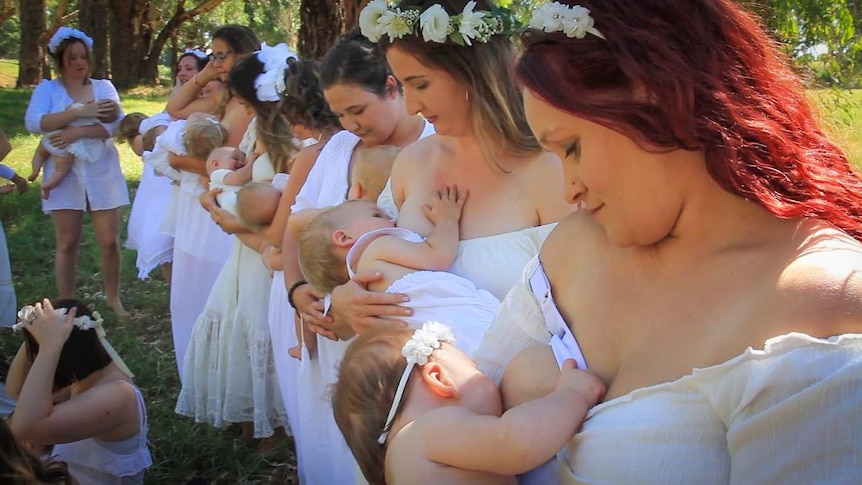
[291, 290]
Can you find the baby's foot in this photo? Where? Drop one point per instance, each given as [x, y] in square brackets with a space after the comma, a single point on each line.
[295, 352]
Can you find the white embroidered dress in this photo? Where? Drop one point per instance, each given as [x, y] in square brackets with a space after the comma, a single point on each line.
[229, 375]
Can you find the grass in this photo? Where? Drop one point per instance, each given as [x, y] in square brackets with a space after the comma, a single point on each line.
[181, 448]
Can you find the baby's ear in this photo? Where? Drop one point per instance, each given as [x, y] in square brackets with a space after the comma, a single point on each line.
[437, 379]
[341, 239]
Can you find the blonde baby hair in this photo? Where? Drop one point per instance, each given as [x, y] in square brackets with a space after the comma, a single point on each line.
[202, 136]
[322, 267]
[256, 203]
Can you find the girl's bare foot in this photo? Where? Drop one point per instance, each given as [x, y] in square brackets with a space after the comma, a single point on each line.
[295, 352]
[117, 307]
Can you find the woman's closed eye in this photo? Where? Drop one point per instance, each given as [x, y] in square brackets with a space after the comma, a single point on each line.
[572, 148]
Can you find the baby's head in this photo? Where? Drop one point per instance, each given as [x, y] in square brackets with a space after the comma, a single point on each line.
[228, 158]
[212, 87]
[202, 136]
[256, 204]
[370, 374]
[148, 139]
[324, 242]
[371, 171]
[129, 127]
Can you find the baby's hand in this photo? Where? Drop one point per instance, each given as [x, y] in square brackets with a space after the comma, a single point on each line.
[583, 382]
[447, 203]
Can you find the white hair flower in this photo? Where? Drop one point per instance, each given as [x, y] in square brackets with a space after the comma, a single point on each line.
[270, 83]
[64, 33]
[369, 19]
[575, 21]
[471, 23]
[435, 24]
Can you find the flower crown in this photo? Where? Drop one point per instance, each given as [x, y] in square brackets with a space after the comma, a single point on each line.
[270, 83]
[64, 33]
[196, 52]
[417, 350]
[27, 314]
[574, 21]
[378, 19]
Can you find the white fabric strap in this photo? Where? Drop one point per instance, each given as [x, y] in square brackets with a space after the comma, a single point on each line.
[563, 341]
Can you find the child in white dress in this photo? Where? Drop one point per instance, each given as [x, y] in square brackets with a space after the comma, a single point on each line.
[445, 420]
[87, 149]
[359, 233]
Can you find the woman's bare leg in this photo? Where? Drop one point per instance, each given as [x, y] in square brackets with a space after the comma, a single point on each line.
[166, 272]
[106, 225]
[67, 231]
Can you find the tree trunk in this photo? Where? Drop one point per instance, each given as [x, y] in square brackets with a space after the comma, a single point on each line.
[322, 22]
[93, 19]
[351, 12]
[8, 8]
[32, 47]
[130, 40]
[149, 66]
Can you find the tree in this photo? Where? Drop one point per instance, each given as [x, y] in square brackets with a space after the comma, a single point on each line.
[93, 21]
[8, 8]
[321, 23]
[32, 50]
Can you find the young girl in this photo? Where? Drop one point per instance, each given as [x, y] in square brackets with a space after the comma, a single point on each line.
[415, 409]
[74, 392]
[86, 149]
[360, 233]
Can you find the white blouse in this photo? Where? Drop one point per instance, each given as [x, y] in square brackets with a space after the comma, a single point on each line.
[100, 184]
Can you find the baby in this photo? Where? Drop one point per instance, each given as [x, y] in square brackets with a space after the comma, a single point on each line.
[129, 132]
[227, 172]
[256, 204]
[87, 149]
[414, 408]
[358, 236]
[370, 172]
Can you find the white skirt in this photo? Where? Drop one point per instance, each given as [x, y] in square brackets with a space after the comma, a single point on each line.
[283, 334]
[149, 208]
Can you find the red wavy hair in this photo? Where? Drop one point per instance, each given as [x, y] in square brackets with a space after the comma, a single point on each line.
[707, 78]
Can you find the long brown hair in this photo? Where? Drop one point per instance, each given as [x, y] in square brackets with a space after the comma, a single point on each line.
[18, 466]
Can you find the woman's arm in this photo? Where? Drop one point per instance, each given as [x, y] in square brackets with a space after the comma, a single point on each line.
[18, 370]
[185, 100]
[302, 165]
[187, 163]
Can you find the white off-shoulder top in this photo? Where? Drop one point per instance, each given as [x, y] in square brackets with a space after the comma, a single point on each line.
[790, 413]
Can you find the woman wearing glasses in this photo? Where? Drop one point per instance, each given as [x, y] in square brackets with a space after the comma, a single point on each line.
[200, 246]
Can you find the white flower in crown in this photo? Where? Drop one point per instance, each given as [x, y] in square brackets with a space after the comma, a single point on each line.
[425, 341]
[270, 83]
[27, 314]
[574, 21]
[471, 23]
[435, 24]
[398, 23]
[64, 33]
[369, 19]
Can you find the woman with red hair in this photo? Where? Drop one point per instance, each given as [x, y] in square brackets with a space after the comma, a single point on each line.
[712, 281]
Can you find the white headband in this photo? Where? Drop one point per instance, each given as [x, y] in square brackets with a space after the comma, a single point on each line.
[195, 52]
[27, 314]
[64, 33]
[574, 21]
[417, 350]
[270, 83]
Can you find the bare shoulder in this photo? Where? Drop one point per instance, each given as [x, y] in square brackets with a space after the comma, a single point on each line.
[577, 236]
[824, 281]
[308, 155]
[413, 155]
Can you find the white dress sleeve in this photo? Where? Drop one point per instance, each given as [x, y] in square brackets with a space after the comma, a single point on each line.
[308, 194]
[217, 178]
[40, 105]
[792, 410]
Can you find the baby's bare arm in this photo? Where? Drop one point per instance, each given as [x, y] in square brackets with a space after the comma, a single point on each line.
[521, 439]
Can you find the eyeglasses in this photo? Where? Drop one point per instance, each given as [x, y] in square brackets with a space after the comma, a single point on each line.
[221, 56]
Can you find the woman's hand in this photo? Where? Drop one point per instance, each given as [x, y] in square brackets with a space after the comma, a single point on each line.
[66, 136]
[305, 297]
[108, 110]
[49, 330]
[225, 220]
[354, 309]
[207, 74]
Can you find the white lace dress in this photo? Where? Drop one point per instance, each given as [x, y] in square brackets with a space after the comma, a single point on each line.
[151, 204]
[229, 375]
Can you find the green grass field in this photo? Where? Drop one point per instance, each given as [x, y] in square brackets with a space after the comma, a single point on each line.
[182, 449]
